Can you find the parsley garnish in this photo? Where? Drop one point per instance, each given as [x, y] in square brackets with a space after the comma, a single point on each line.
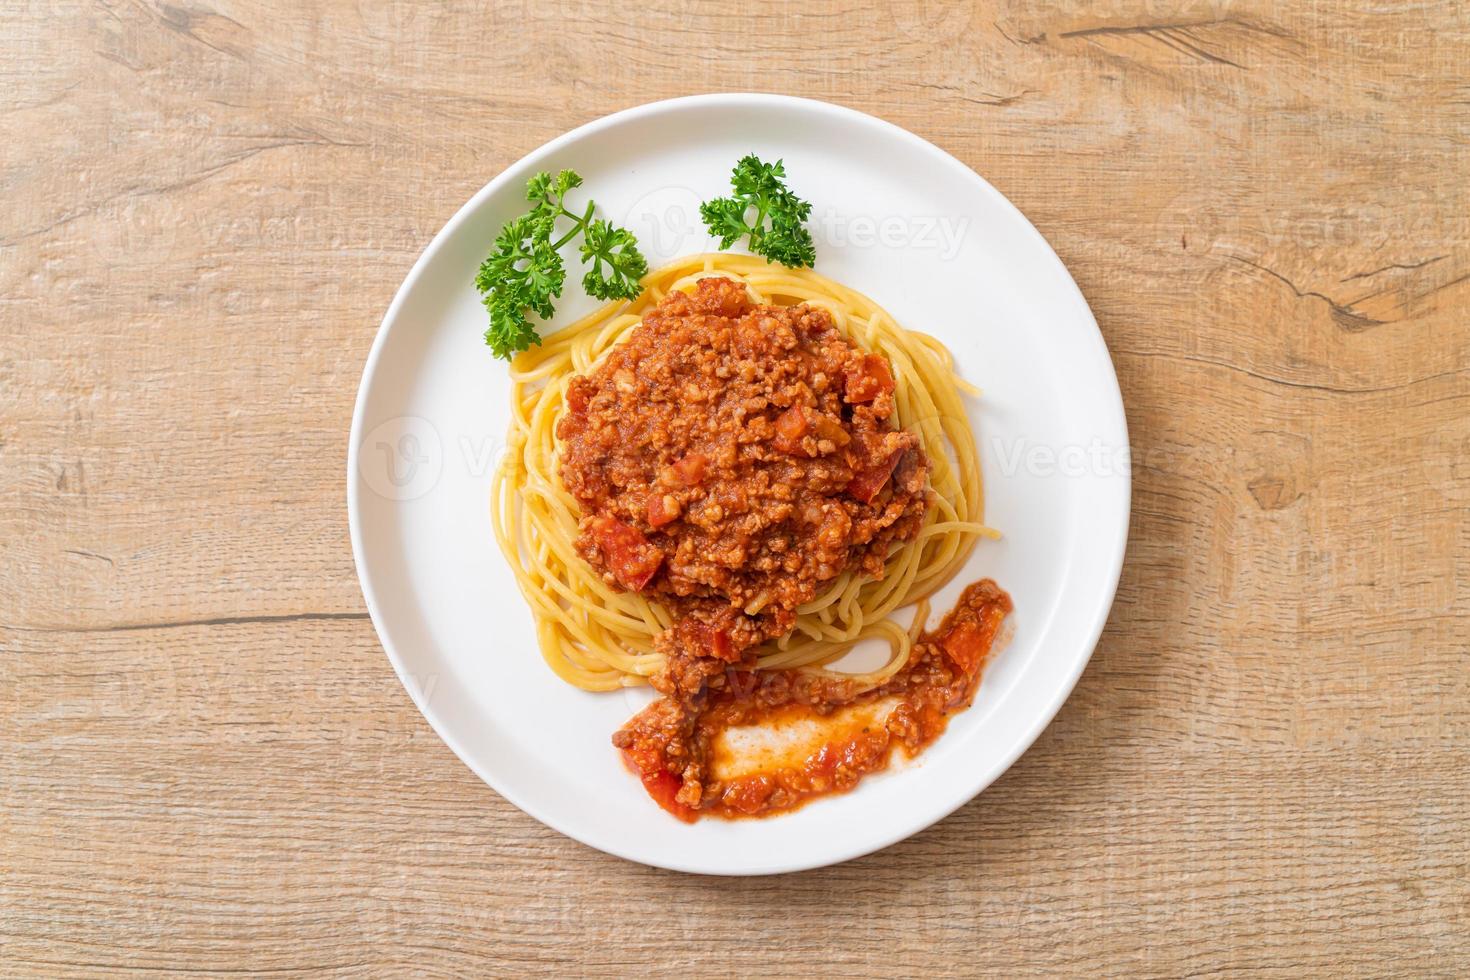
[776, 230]
[525, 271]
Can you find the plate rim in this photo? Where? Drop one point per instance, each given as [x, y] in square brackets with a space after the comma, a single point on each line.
[1099, 614]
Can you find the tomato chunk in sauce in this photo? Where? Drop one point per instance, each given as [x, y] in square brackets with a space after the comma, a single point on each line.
[629, 556]
[868, 483]
[869, 379]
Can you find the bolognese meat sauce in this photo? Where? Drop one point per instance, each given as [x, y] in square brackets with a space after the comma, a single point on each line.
[673, 743]
[731, 458]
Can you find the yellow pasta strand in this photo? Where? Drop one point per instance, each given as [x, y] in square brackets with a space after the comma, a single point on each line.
[600, 639]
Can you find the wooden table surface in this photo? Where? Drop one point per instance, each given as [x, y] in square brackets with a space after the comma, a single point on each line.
[206, 763]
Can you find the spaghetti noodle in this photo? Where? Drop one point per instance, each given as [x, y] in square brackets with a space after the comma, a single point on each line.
[598, 637]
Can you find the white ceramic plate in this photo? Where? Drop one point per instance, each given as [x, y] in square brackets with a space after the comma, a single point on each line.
[894, 217]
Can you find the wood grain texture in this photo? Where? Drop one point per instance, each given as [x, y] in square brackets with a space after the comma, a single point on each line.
[206, 763]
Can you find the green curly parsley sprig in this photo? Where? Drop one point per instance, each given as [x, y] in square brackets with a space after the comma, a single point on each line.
[776, 230]
[526, 271]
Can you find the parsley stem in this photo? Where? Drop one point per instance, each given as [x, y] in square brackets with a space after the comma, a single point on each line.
[582, 221]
